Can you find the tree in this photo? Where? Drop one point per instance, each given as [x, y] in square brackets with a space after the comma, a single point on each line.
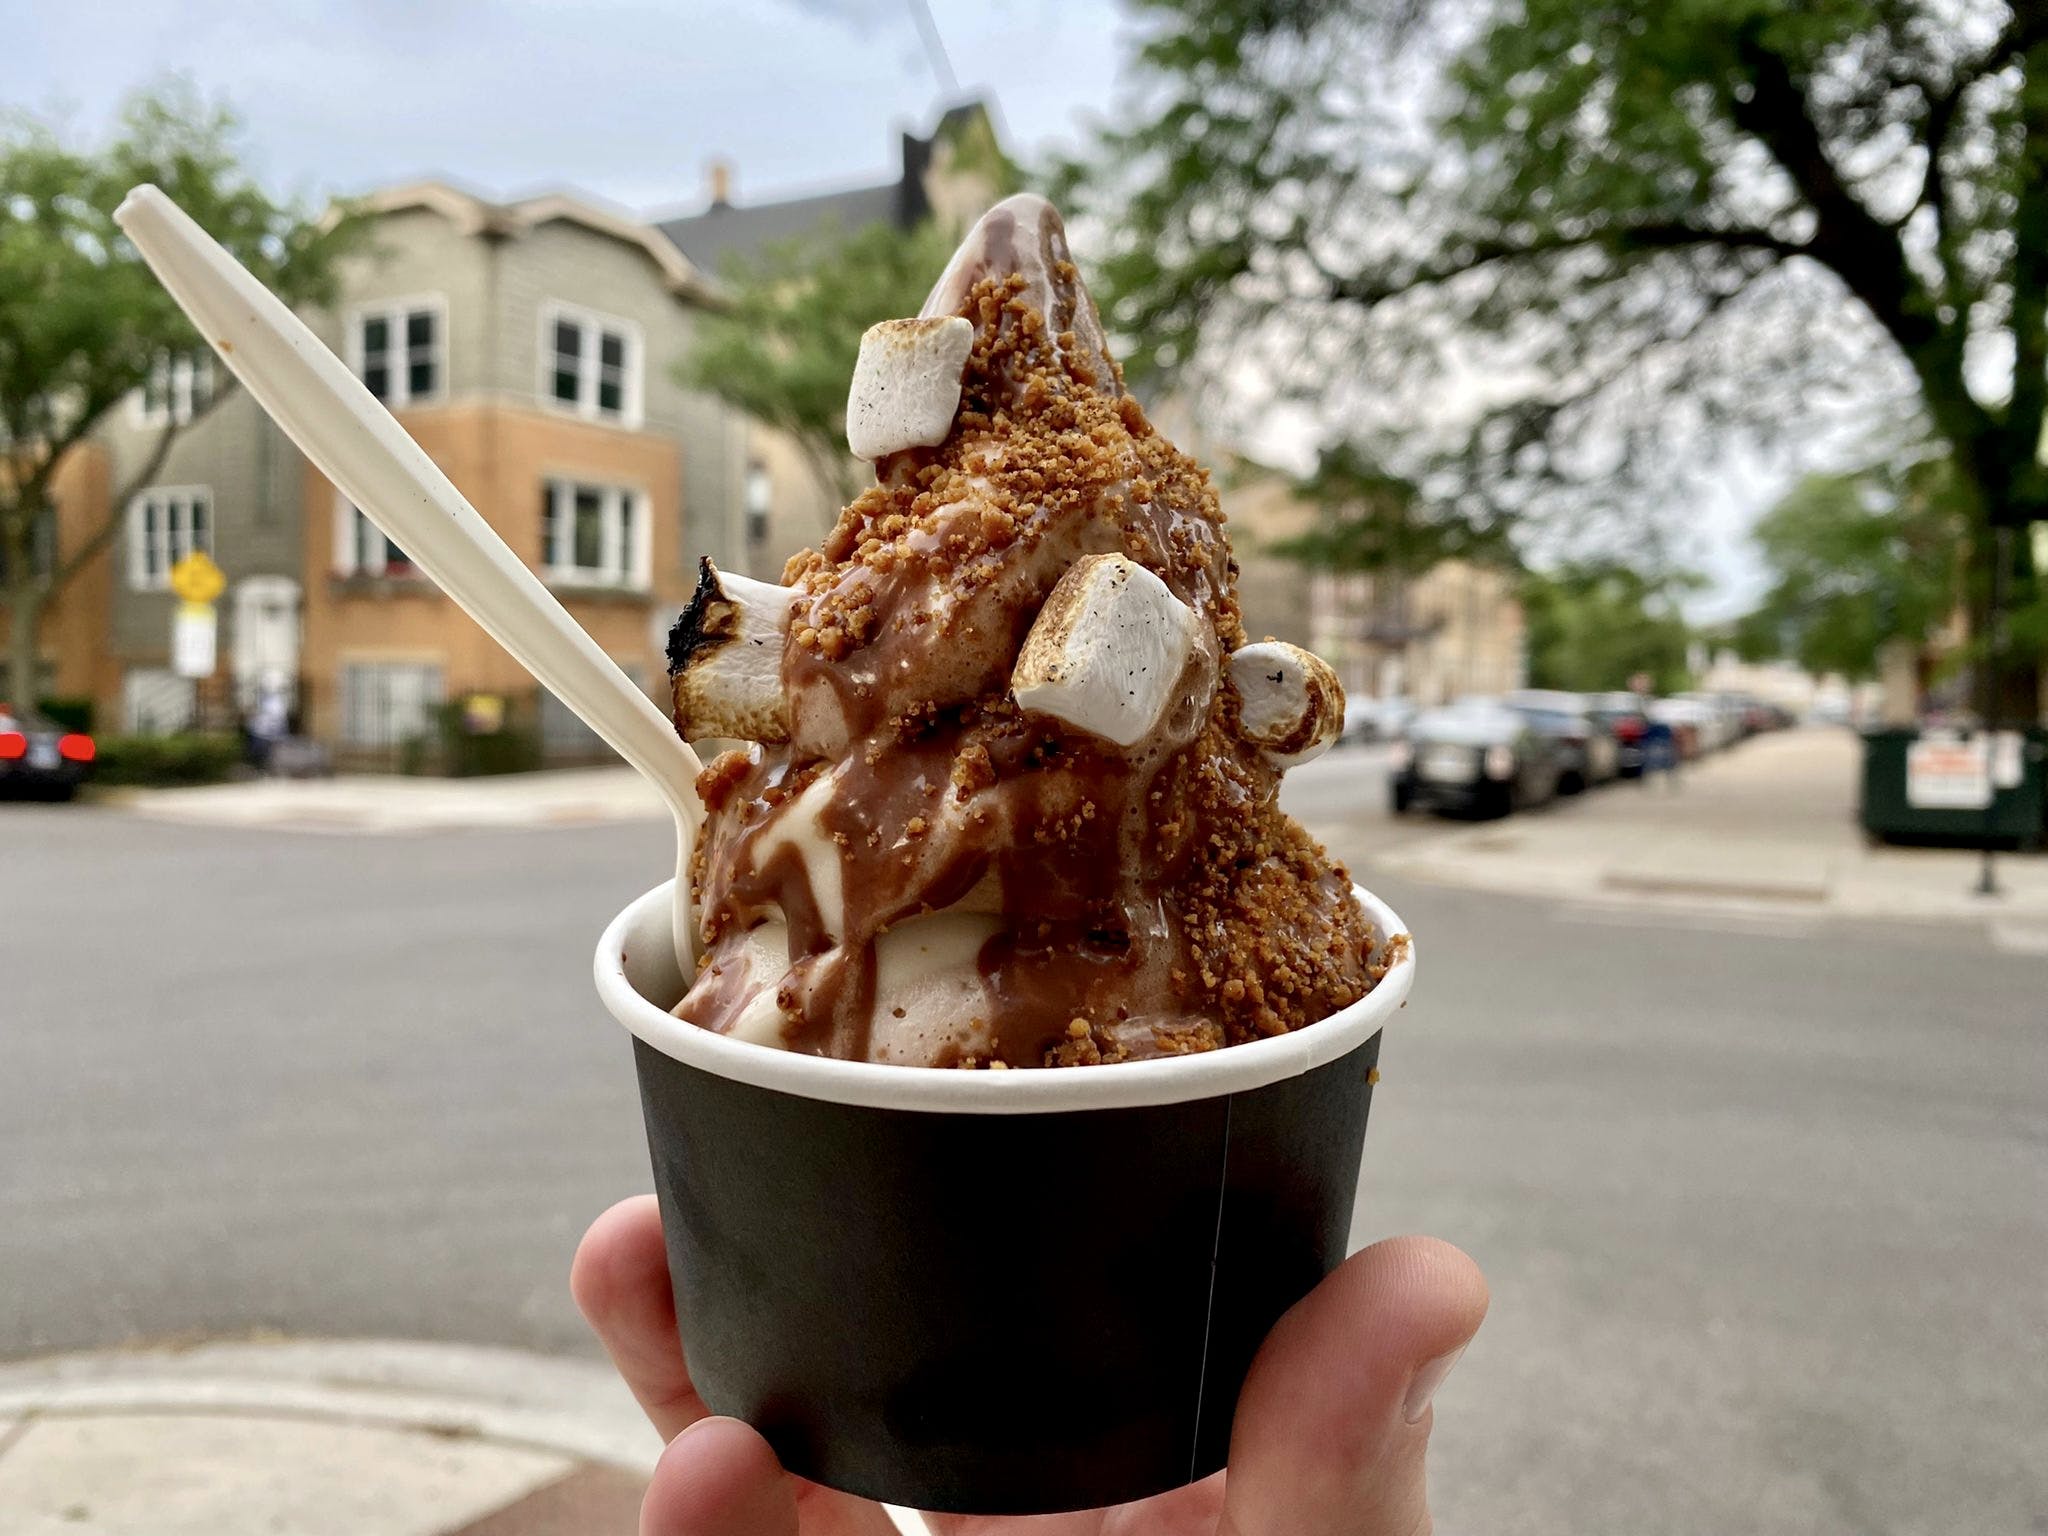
[83, 322]
[1582, 246]
[1856, 560]
[1594, 626]
[783, 347]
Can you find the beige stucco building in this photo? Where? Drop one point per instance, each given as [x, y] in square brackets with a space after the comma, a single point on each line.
[532, 347]
[1455, 629]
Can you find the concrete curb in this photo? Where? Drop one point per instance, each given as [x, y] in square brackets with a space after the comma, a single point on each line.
[506, 1397]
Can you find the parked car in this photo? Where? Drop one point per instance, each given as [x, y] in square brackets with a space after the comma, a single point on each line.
[1384, 719]
[1588, 754]
[39, 759]
[1719, 721]
[1476, 756]
[1627, 719]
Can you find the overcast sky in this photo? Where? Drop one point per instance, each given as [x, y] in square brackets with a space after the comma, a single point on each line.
[625, 99]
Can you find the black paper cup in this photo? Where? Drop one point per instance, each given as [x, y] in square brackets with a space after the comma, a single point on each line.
[991, 1292]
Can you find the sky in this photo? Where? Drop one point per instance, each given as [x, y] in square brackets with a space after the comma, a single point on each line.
[630, 100]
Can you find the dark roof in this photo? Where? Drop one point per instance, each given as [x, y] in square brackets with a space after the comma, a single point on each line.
[708, 238]
[724, 230]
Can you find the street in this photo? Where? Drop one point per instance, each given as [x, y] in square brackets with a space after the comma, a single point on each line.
[1764, 1206]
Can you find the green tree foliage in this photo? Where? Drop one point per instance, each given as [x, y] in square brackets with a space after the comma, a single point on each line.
[1856, 560]
[1583, 246]
[82, 321]
[1592, 627]
[783, 347]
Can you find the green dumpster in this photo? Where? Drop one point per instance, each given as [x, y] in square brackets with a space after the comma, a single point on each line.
[1960, 788]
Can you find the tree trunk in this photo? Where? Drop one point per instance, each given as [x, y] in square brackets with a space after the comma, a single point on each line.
[24, 610]
[2003, 581]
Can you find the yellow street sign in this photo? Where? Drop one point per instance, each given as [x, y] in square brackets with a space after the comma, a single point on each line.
[197, 579]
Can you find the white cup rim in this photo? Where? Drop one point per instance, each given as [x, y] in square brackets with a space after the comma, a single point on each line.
[637, 953]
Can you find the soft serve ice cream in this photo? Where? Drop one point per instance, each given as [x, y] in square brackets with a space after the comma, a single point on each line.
[1011, 798]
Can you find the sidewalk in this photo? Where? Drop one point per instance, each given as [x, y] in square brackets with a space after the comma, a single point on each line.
[1770, 824]
[360, 803]
[317, 1438]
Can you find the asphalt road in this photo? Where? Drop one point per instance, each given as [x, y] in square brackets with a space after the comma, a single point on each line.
[1765, 1210]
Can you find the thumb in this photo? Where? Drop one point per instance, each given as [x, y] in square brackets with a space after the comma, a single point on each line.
[1334, 1418]
[719, 1478]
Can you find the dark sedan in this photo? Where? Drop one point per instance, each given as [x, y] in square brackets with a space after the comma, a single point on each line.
[1474, 757]
[39, 760]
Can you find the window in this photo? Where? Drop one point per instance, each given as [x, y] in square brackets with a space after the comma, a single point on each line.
[164, 526]
[590, 364]
[595, 535]
[179, 387]
[760, 495]
[387, 703]
[399, 349]
[361, 547]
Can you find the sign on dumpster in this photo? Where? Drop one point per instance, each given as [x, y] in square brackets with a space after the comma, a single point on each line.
[1949, 775]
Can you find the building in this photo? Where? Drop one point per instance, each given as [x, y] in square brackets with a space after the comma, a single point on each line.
[1456, 629]
[1453, 630]
[948, 177]
[532, 347]
[527, 346]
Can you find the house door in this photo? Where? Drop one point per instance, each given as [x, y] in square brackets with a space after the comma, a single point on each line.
[266, 641]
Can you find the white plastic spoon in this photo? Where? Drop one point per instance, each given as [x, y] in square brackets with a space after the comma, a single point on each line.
[355, 443]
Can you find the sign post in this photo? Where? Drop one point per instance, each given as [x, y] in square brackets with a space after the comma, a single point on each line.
[195, 627]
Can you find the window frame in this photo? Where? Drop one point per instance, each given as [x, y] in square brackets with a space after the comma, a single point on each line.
[626, 557]
[184, 395]
[348, 563]
[757, 501]
[351, 702]
[394, 312]
[593, 323]
[138, 539]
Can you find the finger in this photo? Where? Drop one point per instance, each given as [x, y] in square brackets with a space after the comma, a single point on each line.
[719, 1478]
[620, 1280]
[1334, 1419]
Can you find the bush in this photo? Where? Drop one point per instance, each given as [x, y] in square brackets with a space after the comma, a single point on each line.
[67, 714]
[163, 761]
[512, 745]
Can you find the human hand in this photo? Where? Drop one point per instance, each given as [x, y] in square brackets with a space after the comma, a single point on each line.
[1329, 1434]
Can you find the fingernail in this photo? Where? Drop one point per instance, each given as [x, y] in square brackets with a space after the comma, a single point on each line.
[1426, 1381]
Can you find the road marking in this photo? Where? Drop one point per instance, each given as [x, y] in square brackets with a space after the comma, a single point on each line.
[1763, 924]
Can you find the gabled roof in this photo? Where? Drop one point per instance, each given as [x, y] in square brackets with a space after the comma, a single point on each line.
[724, 230]
[474, 215]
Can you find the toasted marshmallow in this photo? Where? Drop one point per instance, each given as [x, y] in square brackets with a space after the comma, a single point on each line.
[906, 385]
[1289, 701]
[1108, 653]
[725, 659]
